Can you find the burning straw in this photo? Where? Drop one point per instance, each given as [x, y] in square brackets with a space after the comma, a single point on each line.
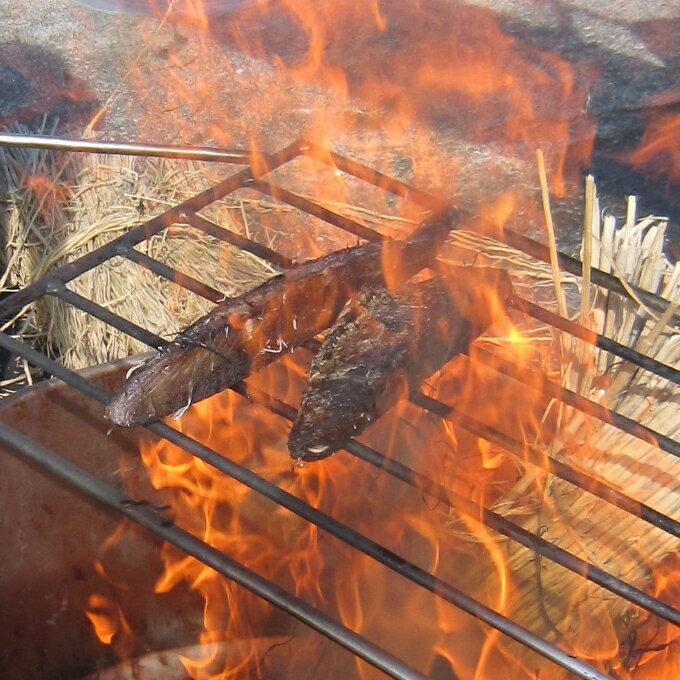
[61, 207]
[556, 603]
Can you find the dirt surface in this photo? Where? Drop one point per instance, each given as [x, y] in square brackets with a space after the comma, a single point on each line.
[248, 74]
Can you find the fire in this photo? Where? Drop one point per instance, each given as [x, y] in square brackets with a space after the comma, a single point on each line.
[228, 516]
[657, 152]
[454, 546]
[413, 91]
[109, 623]
[368, 77]
[655, 650]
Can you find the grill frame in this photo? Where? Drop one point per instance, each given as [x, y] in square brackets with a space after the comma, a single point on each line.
[187, 213]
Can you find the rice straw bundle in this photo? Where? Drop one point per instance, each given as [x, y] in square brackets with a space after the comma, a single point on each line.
[548, 599]
[58, 210]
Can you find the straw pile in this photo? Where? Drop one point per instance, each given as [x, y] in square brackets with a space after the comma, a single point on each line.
[610, 538]
[58, 209]
[549, 600]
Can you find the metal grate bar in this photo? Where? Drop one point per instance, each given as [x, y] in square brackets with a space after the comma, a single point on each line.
[512, 238]
[544, 462]
[241, 242]
[358, 541]
[161, 527]
[541, 383]
[597, 276]
[591, 337]
[537, 458]
[611, 346]
[136, 235]
[312, 208]
[372, 176]
[234, 156]
[167, 272]
[107, 316]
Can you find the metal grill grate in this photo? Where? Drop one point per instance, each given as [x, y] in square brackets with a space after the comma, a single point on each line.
[187, 212]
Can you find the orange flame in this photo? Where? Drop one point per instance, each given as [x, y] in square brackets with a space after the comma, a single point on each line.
[659, 150]
[227, 516]
[419, 93]
[109, 623]
[406, 83]
[455, 546]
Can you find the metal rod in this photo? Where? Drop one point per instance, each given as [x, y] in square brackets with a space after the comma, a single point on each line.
[199, 222]
[532, 455]
[597, 276]
[517, 533]
[616, 348]
[195, 153]
[372, 176]
[541, 460]
[516, 240]
[541, 383]
[312, 208]
[53, 368]
[159, 526]
[327, 523]
[524, 452]
[107, 316]
[72, 270]
[172, 274]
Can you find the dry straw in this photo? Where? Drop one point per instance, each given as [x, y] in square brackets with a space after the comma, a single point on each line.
[61, 207]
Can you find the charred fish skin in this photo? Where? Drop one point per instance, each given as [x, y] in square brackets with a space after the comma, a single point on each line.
[340, 398]
[384, 345]
[246, 333]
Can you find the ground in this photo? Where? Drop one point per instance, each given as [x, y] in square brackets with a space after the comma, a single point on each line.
[244, 75]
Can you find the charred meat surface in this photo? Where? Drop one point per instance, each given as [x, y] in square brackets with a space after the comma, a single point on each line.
[246, 333]
[382, 346]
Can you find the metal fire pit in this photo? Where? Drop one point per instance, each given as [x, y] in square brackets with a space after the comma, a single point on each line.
[52, 536]
[100, 483]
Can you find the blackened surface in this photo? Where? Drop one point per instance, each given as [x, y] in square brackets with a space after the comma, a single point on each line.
[35, 83]
[384, 345]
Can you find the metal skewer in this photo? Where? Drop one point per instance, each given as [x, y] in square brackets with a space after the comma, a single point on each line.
[197, 153]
